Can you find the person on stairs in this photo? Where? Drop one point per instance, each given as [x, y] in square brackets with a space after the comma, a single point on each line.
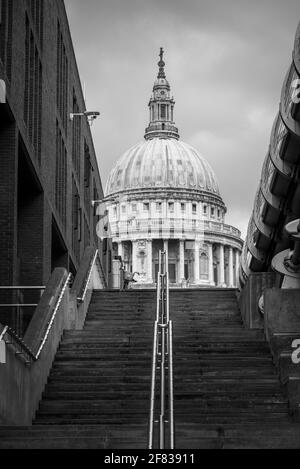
[126, 277]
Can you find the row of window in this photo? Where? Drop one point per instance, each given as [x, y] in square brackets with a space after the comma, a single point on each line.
[213, 212]
[6, 34]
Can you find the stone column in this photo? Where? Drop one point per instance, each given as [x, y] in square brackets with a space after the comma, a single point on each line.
[210, 265]
[230, 267]
[134, 257]
[166, 247]
[120, 250]
[237, 266]
[149, 262]
[197, 263]
[181, 261]
[221, 279]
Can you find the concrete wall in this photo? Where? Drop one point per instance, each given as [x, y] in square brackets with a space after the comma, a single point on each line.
[282, 328]
[249, 298]
[21, 386]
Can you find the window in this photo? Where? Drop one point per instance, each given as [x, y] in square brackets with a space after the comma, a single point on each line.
[87, 177]
[62, 78]
[163, 111]
[61, 176]
[95, 197]
[6, 7]
[183, 207]
[37, 15]
[133, 207]
[203, 267]
[146, 207]
[87, 234]
[32, 90]
[194, 207]
[212, 211]
[205, 209]
[76, 220]
[219, 213]
[159, 207]
[76, 138]
[123, 209]
[171, 207]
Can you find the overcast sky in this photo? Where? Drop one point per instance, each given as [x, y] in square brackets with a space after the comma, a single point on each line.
[225, 61]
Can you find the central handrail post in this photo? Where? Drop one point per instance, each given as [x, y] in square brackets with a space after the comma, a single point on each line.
[162, 361]
[171, 388]
[162, 392]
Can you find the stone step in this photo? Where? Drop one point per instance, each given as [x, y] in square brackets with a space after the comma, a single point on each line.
[225, 384]
[96, 346]
[118, 431]
[118, 380]
[100, 354]
[80, 442]
[271, 388]
[110, 419]
[110, 393]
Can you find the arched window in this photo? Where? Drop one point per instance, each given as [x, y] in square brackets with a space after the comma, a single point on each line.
[203, 266]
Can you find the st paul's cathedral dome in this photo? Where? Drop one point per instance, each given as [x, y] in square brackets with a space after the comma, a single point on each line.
[162, 194]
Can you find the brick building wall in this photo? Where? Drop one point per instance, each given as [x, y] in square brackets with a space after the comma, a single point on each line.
[46, 160]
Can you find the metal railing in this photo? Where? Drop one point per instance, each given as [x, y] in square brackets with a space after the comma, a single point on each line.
[10, 337]
[20, 302]
[161, 418]
[87, 279]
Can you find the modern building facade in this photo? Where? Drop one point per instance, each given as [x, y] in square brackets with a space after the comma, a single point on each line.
[48, 168]
[277, 200]
[162, 194]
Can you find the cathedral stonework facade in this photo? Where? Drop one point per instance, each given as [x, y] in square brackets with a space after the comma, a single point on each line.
[162, 194]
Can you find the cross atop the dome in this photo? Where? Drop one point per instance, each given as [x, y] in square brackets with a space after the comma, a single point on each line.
[161, 54]
[161, 64]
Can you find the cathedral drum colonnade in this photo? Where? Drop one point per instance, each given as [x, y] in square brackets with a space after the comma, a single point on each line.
[162, 194]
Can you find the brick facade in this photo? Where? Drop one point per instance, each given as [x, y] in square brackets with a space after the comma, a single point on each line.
[42, 152]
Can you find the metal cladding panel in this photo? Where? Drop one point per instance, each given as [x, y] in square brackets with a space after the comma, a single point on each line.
[278, 197]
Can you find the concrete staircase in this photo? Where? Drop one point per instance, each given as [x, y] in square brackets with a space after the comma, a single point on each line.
[227, 392]
[97, 395]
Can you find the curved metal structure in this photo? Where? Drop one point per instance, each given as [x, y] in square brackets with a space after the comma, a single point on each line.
[277, 201]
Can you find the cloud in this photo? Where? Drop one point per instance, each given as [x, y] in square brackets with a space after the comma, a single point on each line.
[226, 62]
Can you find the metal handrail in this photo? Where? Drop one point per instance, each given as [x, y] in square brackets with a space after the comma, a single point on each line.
[153, 381]
[171, 388]
[16, 340]
[162, 361]
[82, 298]
[22, 288]
[18, 305]
[25, 350]
[66, 284]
